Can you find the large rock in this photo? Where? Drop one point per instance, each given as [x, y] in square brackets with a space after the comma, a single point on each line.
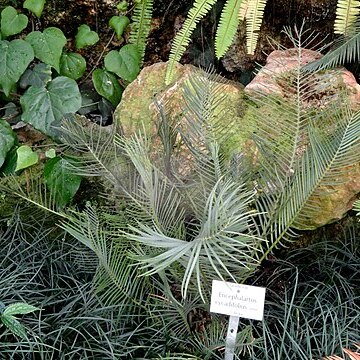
[325, 85]
[138, 110]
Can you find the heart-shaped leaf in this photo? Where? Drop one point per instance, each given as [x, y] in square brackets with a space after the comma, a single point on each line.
[48, 45]
[39, 75]
[72, 65]
[85, 37]
[15, 56]
[45, 106]
[26, 157]
[124, 63]
[7, 140]
[35, 6]
[119, 24]
[14, 325]
[61, 180]
[107, 85]
[11, 22]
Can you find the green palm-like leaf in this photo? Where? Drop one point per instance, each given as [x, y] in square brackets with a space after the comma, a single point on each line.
[222, 242]
[347, 12]
[229, 22]
[116, 278]
[345, 49]
[140, 27]
[293, 182]
[182, 39]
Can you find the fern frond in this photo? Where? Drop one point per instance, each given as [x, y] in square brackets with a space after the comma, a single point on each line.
[182, 39]
[140, 28]
[244, 9]
[254, 19]
[347, 12]
[228, 24]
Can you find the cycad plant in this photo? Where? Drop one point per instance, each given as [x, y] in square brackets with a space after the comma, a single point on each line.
[181, 213]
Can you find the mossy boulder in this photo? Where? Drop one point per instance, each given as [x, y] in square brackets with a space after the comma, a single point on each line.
[139, 108]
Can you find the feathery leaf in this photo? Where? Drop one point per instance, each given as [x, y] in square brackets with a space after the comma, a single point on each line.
[228, 24]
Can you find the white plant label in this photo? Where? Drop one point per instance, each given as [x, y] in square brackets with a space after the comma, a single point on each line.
[237, 300]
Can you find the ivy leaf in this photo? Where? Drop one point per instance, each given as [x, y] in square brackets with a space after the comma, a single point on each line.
[19, 309]
[72, 65]
[61, 180]
[119, 24]
[45, 106]
[124, 63]
[48, 45]
[26, 157]
[39, 76]
[14, 325]
[7, 140]
[15, 57]
[85, 37]
[107, 85]
[35, 6]
[11, 22]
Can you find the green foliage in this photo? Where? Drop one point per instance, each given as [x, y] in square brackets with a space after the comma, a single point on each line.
[44, 107]
[26, 157]
[38, 76]
[182, 39]
[254, 16]
[11, 22]
[228, 25]
[125, 63]
[61, 180]
[7, 140]
[234, 11]
[35, 6]
[347, 12]
[9, 320]
[15, 56]
[85, 37]
[345, 49]
[48, 45]
[140, 26]
[119, 24]
[72, 65]
[107, 85]
[356, 207]
[122, 5]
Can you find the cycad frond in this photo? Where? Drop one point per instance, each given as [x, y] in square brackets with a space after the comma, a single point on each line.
[254, 17]
[228, 24]
[182, 39]
[302, 152]
[345, 49]
[347, 12]
[323, 164]
[96, 149]
[116, 278]
[140, 27]
[222, 245]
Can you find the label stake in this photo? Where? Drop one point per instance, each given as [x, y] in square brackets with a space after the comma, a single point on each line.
[231, 337]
